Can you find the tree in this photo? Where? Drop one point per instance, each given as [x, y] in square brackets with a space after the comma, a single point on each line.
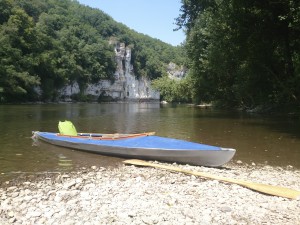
[6, 7]
[17, 58]
[172, 90]
[243, 53]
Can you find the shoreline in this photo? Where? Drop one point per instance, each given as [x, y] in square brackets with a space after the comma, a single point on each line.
[144, 195]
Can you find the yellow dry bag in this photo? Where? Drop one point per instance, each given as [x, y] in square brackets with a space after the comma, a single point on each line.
[67, 128]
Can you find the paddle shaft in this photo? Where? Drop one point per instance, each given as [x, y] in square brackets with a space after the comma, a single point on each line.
[116, 136]
[263, 188]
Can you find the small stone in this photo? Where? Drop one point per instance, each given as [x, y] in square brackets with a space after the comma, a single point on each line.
[12, 220]
[27, 191]
[64, 176]
[49, 214]
[27, 198]
[35, 213]
[12, 188]
[78, 180]
[10, 214]
[57, 198]
[70, 184]
[85, 195]
[15, 194]
[225, 209]
[42, 220]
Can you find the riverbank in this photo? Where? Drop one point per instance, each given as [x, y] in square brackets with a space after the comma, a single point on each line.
[141, 195]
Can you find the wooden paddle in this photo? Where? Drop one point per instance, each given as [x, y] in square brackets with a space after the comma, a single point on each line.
[116, 136]
[263, 188]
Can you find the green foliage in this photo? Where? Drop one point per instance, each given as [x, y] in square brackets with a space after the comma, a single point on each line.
[52, 43]
[6, 7]
[243, 53]
[16, 60]
[172, 90]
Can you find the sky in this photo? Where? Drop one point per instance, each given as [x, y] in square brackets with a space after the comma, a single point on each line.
[155, 18]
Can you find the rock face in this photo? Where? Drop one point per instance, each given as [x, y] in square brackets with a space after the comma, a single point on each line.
[176, 73]
[125, 87]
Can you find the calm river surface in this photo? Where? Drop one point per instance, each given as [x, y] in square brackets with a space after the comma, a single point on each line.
[258, 139]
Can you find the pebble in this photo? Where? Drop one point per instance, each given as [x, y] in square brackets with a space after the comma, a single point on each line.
[141, 195]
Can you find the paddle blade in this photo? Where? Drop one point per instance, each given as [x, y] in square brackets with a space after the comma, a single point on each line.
[263, 188]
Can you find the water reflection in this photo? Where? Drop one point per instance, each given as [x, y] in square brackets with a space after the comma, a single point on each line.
[64, 162]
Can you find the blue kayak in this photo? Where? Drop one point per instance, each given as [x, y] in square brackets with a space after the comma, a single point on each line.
[142, 146]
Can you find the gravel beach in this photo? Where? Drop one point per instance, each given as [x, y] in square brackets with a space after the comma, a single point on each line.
[143, 195]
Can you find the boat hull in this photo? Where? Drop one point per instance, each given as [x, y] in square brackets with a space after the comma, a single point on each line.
[148, 147]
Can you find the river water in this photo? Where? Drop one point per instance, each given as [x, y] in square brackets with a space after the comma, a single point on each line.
[258, 139]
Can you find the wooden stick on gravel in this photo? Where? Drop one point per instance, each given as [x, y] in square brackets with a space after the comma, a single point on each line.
[263, 188]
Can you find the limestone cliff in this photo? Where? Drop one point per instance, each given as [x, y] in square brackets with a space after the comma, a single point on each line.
[176, 72]
[125, 87]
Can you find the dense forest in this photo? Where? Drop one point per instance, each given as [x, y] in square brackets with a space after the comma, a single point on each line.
[240, 54]
[50, 43]
[243, 54]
